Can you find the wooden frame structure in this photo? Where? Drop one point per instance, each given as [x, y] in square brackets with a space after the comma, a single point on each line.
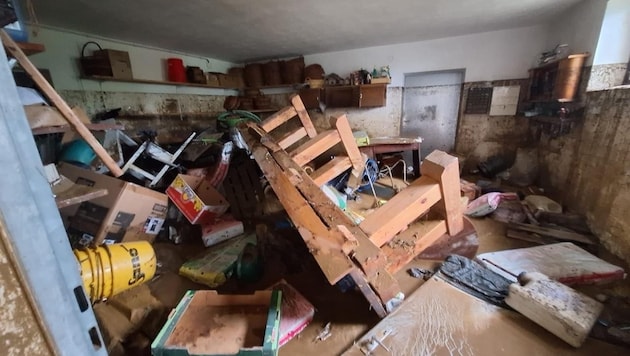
[388, 238]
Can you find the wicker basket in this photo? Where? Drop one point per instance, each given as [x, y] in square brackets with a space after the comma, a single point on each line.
[271, 73]
[253, 75]
[314, 71]
[293, 71]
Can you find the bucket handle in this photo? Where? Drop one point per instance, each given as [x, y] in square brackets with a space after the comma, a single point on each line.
[86, 44]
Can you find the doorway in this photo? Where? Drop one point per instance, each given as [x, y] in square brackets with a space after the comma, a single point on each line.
[430, 108]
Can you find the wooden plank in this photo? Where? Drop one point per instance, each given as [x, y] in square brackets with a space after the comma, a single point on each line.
[292, 137]
[444, 168]
[30, 48]
[375, 302]
[279, 118]
[92, 127]
[315, 147]
[61, 105]
[411, 242]
[328, 254]
[553, 233]
[330, 170]
[67, 193]
[303, 115]
[537, 239]
[352, 150]
[401, 210]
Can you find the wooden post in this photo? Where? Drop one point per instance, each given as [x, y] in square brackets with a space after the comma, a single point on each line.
[61, 105]
[444, 169]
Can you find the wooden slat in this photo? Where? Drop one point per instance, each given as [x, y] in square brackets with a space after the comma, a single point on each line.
[330, 170]
[278, 118]
[364, 286]
[315, 147]
[303, 115]
[61, 105]
[349, 142]
[328, 254]
[444, 168]
[292, 137]
[553, 233]
[352, 150]
[411, 242]
[401, 210]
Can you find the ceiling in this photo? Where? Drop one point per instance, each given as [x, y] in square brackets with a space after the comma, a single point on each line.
[242, 30]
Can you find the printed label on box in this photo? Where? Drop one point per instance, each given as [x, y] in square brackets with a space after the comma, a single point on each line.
[153, 225]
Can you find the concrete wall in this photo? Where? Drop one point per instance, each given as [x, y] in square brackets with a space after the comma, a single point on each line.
[598, 183]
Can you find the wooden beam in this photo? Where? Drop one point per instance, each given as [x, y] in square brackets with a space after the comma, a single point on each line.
[364, 286]
[291, 138]
[61, 105]
[444, 169]
[411, 242]
[315, 147]
[352, 150]
[330, 170]
[327, 252]
[401, 210]
[279, 118]
[303, 115]
[553, 233]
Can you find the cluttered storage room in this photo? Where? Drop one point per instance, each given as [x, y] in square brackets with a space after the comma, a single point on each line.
[275, 177]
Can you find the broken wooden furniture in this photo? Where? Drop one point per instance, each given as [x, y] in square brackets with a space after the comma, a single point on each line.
[157, 153]
[380, 145]
[385, 240]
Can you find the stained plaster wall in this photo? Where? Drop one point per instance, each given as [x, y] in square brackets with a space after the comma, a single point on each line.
[591, 167]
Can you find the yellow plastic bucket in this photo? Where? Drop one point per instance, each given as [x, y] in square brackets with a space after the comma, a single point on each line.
[110, 269]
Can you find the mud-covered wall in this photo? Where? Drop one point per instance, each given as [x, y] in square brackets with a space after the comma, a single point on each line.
[480, 136]
[599, 183]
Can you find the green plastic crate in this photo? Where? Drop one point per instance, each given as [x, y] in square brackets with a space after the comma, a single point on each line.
[247, 325]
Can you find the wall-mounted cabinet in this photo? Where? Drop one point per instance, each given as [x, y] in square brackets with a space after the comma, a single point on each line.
[557, 81]
[361, 96]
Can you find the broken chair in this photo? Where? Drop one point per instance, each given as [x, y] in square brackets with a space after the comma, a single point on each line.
[388, 238]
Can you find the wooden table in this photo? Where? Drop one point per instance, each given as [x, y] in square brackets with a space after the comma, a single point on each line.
[380, 145]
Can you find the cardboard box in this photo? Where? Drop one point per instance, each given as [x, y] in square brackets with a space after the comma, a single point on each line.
[218, 264]
[197, 199]
[207, 323]
[220, 230]
[108, 63]
[128, 212]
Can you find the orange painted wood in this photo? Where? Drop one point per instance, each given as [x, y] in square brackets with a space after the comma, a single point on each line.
[331, 170]
[444, 168]
[315, 147]
[279, 118]
[327, 252]
[303, 115]
[405, 207]
[411, 242]
[291, 138]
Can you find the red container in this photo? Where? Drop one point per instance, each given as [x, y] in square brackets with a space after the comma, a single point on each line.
[176, 70]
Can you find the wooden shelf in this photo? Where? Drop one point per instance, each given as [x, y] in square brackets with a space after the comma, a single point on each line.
[156, 82]
[65, 128]
[30, 48]
[279, 86]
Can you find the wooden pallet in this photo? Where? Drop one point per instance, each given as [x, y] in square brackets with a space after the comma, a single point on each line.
[384, 242]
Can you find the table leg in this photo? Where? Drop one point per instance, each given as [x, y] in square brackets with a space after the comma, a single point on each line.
[416, 162]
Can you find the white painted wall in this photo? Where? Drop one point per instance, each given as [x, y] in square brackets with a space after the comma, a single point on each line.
[63, 49]
[579, 27]
[614, 39]
[505, 54]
